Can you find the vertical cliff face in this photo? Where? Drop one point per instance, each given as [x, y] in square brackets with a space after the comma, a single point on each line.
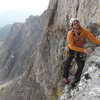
[40, 80]
[21, 46]
[48, 71]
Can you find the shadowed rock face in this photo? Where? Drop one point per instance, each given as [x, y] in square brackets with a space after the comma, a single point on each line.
[38, 74]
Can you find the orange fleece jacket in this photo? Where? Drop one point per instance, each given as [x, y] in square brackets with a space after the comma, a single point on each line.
[71, 43]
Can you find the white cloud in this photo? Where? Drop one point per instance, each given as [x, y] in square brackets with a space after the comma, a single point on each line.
[32, 5]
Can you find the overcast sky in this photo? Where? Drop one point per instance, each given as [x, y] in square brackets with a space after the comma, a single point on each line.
[18, 10]
[30, 5]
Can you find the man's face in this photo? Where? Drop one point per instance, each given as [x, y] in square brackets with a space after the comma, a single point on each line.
[76, 24]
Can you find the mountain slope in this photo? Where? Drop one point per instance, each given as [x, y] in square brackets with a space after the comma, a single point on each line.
[20, 47]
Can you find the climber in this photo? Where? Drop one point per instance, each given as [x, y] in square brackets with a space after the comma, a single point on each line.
[76, 38]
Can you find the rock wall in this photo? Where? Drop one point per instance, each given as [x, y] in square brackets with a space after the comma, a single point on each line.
[85, 10]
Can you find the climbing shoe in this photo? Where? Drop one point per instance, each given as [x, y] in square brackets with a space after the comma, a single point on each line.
[74, 83]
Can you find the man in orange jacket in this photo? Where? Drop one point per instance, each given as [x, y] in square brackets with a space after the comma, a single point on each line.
[76, 39]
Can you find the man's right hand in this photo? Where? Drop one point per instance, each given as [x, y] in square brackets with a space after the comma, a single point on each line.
[87, 51]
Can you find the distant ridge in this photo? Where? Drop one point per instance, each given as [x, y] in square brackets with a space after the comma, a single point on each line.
[4, 31]
[16, 16]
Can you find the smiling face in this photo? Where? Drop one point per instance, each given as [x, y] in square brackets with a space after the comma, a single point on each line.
[76, 25]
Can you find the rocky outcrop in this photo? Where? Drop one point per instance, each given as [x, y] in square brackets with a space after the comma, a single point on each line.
[88, 88]
[40, 80]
